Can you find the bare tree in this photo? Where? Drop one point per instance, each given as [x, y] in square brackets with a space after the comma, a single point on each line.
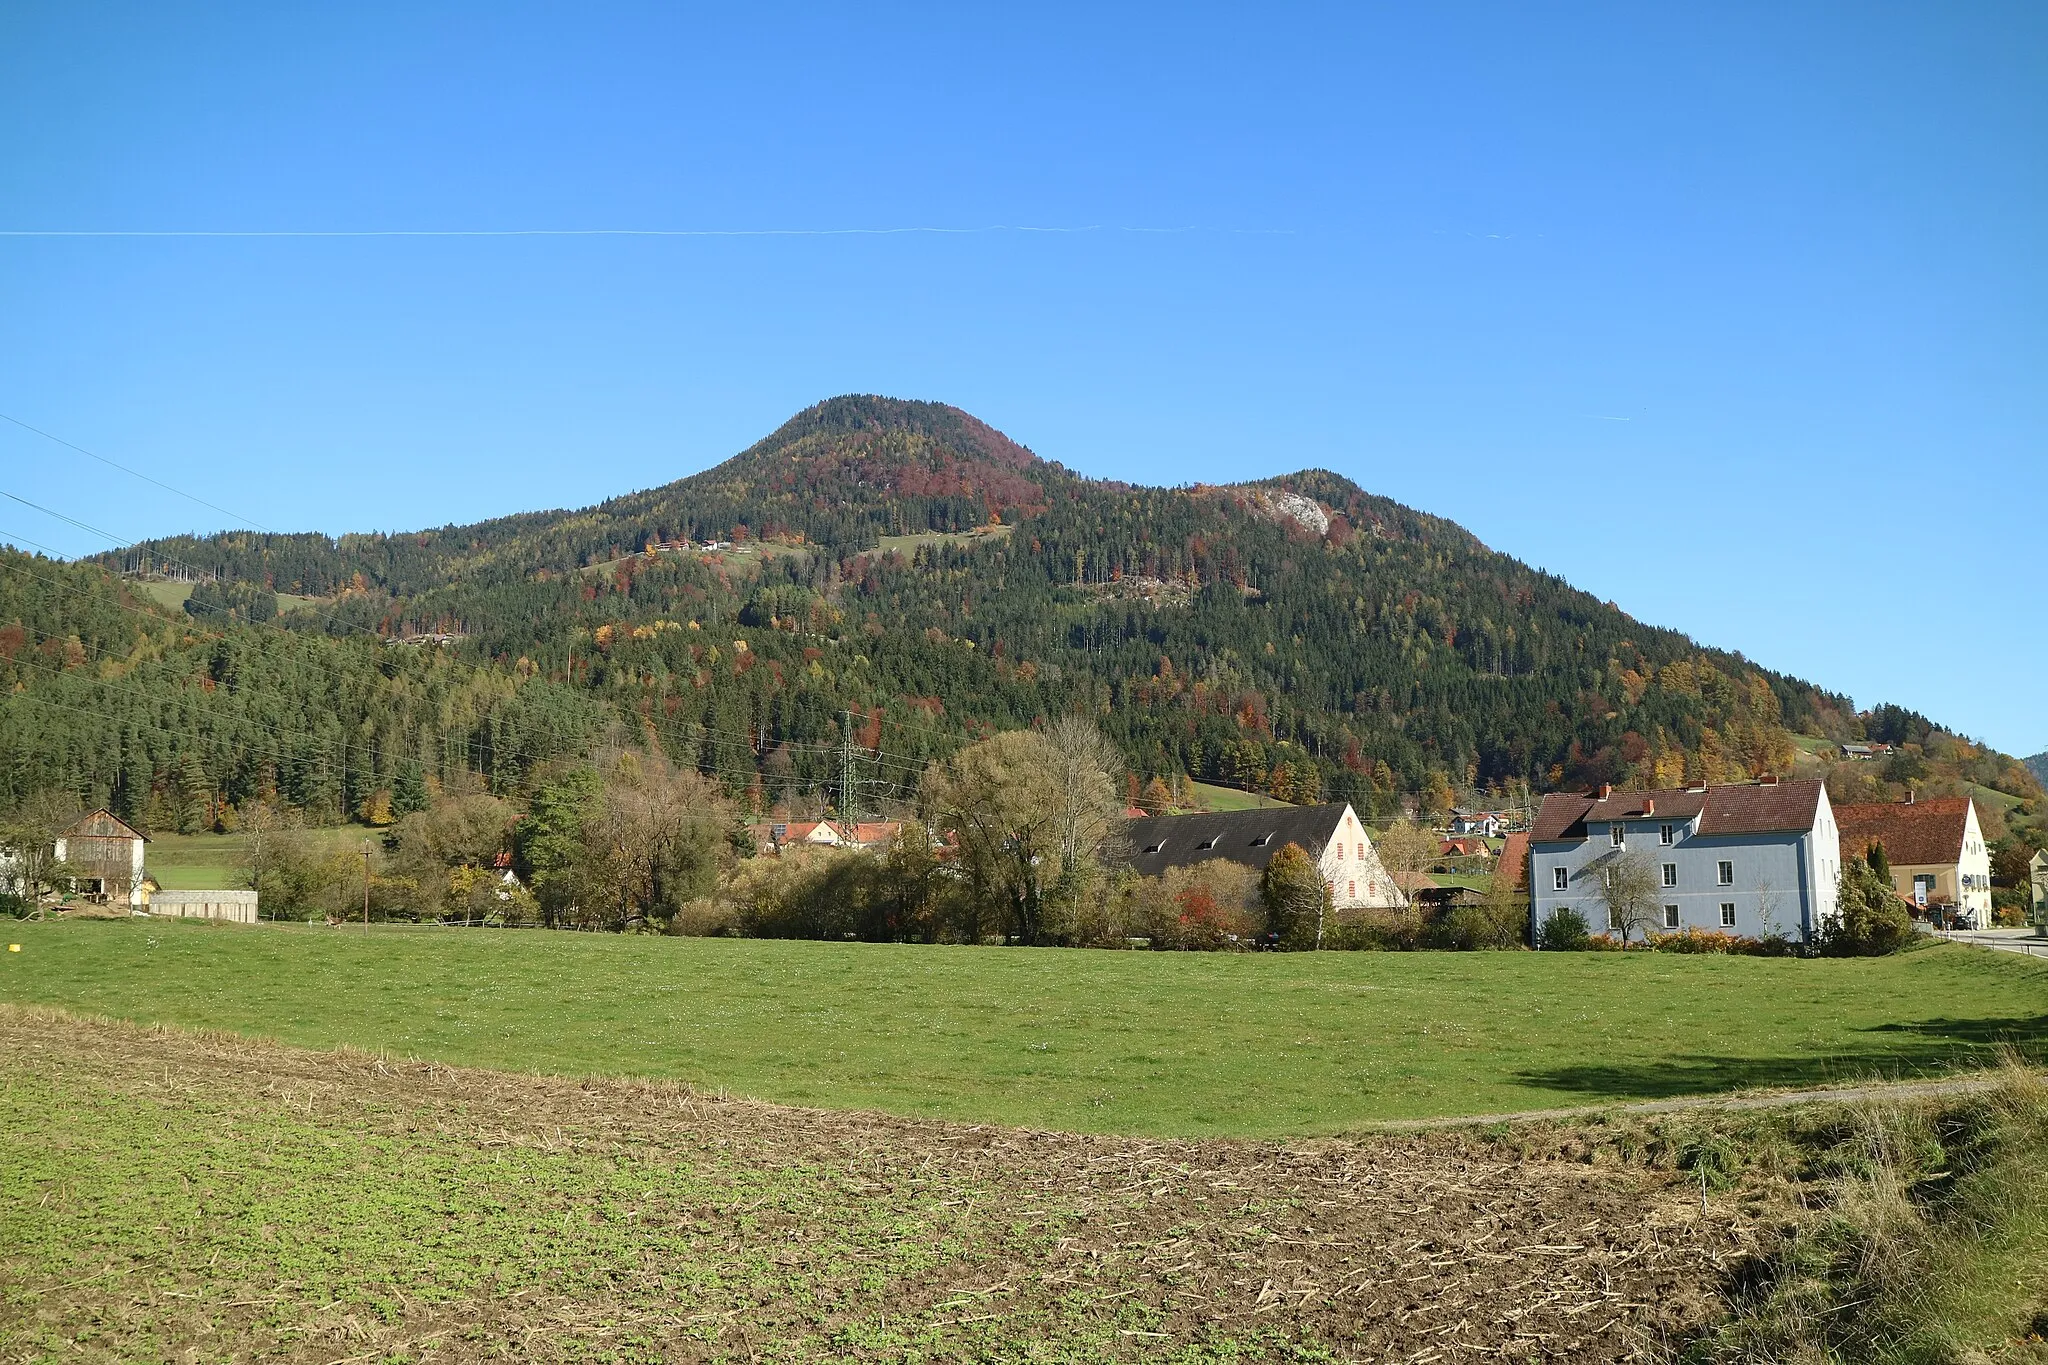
[1406, 850]
[1629, 886]
[1085, 767]
[1768, 902]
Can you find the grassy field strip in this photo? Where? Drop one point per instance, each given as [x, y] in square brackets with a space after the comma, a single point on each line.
[1142, 1043]
[195, 862]
[171, 1193]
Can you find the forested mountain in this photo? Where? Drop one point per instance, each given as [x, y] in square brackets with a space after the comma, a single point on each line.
[896, 568]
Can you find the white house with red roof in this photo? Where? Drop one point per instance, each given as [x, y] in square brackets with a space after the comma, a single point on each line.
[1754, 859]
[1935, 848]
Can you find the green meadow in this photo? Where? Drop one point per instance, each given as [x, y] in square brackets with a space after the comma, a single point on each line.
[1139, 1043]
[219, 862]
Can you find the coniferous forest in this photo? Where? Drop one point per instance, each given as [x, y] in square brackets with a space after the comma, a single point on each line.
[892, 571]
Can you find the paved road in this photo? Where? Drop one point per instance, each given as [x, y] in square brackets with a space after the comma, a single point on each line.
[2004, 940]
[1777, 1099]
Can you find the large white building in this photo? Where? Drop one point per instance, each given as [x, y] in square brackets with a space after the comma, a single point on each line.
[1754, 859]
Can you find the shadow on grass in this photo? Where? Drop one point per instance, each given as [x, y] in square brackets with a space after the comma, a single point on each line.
[1924, 1047]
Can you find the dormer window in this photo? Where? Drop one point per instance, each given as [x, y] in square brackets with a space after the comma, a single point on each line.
[1209, 842]
[1156, 848]
[1262, 841]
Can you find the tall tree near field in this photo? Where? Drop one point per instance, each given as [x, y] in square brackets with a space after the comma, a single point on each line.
[1017, 807]
[1406, 850]
[652, 842]
[1297, 899]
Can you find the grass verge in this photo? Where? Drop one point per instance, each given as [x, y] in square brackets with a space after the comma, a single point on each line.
[1921, 1238]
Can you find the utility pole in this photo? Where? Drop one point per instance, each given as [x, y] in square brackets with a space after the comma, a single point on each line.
[366, 886]
[846, 783]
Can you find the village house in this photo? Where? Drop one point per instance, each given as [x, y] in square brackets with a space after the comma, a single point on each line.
[1464, 846]
[107, 855]
[1484, 823]
[1331, 834]
[863, 835]
[1753, 859]
[1935, 847]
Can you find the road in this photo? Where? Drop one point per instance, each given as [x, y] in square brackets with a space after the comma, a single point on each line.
[2004, 940]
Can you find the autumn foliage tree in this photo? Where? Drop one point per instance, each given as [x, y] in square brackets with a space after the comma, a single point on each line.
[1297, 899]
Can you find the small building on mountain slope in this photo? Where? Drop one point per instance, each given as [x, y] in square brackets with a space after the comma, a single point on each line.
[1753, 859]
[1331, 834]
[1935, 847]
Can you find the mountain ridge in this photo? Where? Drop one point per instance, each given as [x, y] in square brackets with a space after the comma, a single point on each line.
[1296, 633]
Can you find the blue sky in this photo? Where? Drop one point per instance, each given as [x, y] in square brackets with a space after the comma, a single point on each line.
[1738, 317]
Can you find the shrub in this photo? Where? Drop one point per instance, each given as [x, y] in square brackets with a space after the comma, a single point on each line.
[1697, 941]
[13, 906]
[1871, 920]
[1564, 932]
[1770, 945]
[1377, 931]
[1213, 905]
[1469, 928]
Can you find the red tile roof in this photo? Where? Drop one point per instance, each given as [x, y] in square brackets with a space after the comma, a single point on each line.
[1919, 834]
[1514, 861]
[1747, 808]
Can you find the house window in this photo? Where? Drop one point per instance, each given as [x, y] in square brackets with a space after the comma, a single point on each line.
[1361, 853]
[1724, 873]
[1557, 878]
[1671, 874]
[1670, 917]
[1352, 892]
[1614, 832]
[1614, 919]
[1727, 914]
[1665, 834]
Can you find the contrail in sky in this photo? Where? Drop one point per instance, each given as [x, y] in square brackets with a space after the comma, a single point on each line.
[612, 232]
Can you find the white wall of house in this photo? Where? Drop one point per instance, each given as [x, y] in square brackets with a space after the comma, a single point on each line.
[1753, 885]
[1352, 869]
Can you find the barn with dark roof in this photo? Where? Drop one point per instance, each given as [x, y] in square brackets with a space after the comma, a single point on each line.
[1331, 834]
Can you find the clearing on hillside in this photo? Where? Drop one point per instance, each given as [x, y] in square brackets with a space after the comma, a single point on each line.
[171, 1195]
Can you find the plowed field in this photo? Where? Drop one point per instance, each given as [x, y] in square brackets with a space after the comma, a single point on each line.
[170, 1196]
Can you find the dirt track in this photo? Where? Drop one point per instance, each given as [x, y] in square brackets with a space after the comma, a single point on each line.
[1419, 1247]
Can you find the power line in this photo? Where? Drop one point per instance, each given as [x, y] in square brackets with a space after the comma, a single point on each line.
[190, 497]
[51, 551]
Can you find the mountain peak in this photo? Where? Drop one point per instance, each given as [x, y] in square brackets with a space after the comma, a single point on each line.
[860, 417]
